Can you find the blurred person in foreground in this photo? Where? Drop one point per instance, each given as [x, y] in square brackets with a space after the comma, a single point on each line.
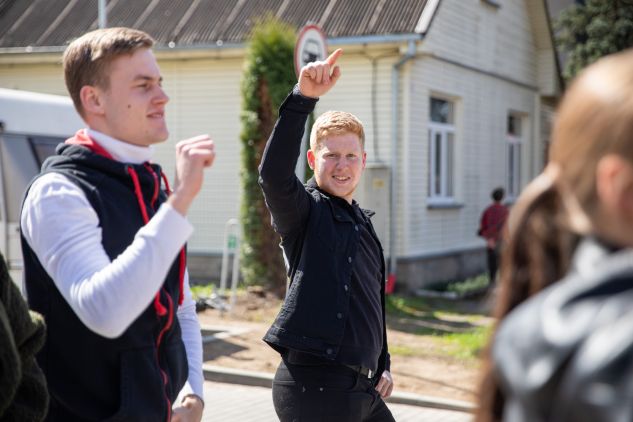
[491, 228]
[23, 393]
[563, 348]
[103, 241]
[331, 329]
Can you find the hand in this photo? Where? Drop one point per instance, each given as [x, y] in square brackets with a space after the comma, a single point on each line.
[317, 78]
[190, 410]
[193, 155]
[385, 385]
[491, 243]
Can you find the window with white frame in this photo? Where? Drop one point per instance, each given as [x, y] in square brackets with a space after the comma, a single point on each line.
[515, 141]
[441, 150]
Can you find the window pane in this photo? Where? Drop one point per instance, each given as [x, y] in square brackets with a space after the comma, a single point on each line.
[44, 146]
[449, 164]
[19, 166]
[438, 164]
[441, 111]
[514, 125]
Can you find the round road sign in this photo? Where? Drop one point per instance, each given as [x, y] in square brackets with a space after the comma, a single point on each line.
[311, 46]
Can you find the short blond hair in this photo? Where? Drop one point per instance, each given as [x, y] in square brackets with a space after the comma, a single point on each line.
[87, 60]
[336, 123]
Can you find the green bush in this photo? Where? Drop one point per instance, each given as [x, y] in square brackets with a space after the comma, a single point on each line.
[268, 77]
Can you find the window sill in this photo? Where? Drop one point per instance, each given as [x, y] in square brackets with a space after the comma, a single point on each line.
[433, 204]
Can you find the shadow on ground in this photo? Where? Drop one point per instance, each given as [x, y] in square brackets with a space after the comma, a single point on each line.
[214, 349]
[436, 316]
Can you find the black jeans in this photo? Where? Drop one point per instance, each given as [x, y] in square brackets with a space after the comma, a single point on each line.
[493, 263]
[326, 393]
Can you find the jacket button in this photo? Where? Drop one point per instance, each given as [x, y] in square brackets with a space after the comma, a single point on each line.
[329, 351]
[356, 227]
[349, 259]
[339, 315]
[346, 287]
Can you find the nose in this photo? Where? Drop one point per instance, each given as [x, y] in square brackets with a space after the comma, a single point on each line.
[161, 97]
[342, 162]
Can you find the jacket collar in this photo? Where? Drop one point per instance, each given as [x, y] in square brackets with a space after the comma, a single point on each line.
[312, 184]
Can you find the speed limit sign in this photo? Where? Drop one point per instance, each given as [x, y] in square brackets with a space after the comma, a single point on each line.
[311, 46]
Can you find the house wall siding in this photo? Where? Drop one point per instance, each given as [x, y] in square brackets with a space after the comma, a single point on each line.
[498, 40]
[204, 98]
[484, 59]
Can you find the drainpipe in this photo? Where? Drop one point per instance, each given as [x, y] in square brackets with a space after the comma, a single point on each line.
[4, 210]
[103, 14]
[395, 98]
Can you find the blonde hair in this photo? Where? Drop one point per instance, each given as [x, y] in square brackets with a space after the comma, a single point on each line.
[87, 59]
[335, 123]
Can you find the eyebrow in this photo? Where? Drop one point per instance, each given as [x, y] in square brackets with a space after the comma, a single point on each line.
[146, 78]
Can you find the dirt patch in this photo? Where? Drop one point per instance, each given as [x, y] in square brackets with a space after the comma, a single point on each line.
[420, 363]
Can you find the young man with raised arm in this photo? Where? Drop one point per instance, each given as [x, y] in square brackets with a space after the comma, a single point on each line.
[331, 330]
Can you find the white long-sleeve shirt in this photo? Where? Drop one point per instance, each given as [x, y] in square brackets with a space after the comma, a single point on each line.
[62, 229]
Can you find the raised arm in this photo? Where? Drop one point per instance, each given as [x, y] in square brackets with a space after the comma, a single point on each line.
[286, 198]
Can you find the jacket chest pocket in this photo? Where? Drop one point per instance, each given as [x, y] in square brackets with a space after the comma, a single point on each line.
[335, 233]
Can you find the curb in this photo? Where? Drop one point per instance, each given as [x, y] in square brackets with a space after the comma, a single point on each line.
[264, 379]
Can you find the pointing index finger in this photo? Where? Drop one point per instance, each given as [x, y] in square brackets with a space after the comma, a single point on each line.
[334, 56]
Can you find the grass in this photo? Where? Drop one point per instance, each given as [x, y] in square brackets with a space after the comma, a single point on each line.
[467, 345]
[206, 290]
[406, 306]
[457, 329]
[202, 290]
[469, 285]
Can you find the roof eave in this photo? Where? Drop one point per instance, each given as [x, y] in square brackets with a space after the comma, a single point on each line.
[51, 54]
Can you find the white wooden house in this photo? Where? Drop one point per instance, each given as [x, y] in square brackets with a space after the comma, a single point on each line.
[456, 96]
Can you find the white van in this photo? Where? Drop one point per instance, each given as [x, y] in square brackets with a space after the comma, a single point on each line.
[31, 126]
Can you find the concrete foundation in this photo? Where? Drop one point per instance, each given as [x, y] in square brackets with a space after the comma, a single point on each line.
[415, 273]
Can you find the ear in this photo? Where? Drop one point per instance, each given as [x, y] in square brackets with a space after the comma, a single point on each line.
[614, 185]
[364, 159]
[311, 158]
[92, 100]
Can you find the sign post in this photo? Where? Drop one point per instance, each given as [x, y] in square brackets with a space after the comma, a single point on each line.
[311, 46]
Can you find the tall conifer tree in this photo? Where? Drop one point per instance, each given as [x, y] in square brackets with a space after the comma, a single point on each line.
[268, 77]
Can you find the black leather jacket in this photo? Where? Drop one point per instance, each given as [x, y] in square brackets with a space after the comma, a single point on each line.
[319, 242]
[567, 353]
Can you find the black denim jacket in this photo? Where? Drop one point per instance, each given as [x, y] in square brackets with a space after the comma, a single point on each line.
[319, 244]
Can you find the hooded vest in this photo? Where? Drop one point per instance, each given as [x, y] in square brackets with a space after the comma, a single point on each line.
[136, 376]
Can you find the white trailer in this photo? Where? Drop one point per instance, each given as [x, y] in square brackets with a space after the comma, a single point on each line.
[31, 126]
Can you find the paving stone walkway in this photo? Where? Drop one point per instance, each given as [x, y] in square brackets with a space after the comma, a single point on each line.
[239, 403]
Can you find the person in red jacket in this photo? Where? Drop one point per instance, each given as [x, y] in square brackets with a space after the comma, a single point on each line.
[491, 226]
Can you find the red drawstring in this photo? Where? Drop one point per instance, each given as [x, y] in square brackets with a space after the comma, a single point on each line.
[183, 254]
[159, 307]
[182, 264]
[156, 183]
[181, 275]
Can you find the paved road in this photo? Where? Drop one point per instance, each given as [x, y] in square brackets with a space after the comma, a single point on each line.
[238, 403]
